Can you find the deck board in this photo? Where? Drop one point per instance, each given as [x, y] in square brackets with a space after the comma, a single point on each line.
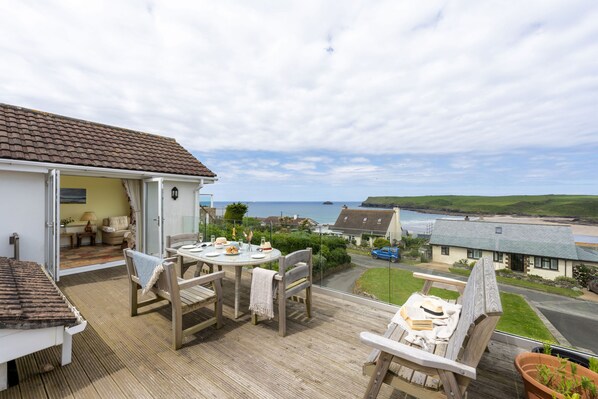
[122, 356]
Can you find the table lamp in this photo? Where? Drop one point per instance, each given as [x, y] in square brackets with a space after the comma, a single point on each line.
[88, 217]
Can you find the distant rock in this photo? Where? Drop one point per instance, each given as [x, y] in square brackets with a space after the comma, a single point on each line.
[327, 203]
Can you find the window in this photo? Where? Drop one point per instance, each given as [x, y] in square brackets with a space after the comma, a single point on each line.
[345, 219]
[380, 221]
[498, 230]
[365, 220]
[444, 250]
[498, 257]
[474, 253]
[546, 263]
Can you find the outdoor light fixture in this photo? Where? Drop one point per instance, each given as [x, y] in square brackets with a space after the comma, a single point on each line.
[174, 193]
[88, 217]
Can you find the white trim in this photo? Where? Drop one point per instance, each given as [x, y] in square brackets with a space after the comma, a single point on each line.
[90, 268]
[91, 171]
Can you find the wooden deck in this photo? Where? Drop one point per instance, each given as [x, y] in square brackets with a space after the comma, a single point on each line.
[119, 356]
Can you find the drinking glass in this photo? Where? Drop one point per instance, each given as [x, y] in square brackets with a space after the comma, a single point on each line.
[212, 239]
[262, 242]
[200, 238]
[240, 243]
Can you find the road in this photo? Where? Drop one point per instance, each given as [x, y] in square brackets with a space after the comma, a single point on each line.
[575, 319]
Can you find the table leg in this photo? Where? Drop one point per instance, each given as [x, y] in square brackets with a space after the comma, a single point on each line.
[238, 271]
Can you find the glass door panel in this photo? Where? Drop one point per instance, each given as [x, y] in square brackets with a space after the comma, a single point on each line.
[153, 220]
[52, 241]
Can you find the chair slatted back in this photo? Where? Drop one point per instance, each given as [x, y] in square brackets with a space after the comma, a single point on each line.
[177, 240]
[479, 315]
[295, 266]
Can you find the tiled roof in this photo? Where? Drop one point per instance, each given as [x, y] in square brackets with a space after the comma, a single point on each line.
[36, 136]
[528, 239]
[358, 221]
[29, 299]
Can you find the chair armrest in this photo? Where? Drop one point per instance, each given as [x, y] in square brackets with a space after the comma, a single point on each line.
[431, 279]
[416, 355]
[440, 279]
[171, 251]
[206, 278]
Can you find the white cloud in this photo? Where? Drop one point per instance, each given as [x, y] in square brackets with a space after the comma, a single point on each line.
[403, 78]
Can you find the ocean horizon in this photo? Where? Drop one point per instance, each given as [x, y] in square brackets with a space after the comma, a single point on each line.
[327, 214]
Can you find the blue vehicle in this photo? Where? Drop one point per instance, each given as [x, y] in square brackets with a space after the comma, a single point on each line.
[391, 253]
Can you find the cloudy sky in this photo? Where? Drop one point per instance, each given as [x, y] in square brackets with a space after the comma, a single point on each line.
[325, 100]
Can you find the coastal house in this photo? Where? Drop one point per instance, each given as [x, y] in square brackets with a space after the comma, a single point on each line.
[124, 184]
[354, 224]
[545, 250]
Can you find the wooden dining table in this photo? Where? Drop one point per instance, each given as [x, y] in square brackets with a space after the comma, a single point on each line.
[249, 255]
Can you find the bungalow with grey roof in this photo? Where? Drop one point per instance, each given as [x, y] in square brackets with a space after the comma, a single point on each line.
[354, 223]
[545, 250]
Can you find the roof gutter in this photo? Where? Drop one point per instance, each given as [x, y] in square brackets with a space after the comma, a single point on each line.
[42, 167]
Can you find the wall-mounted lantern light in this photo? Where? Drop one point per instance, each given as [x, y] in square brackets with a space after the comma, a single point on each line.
[174, 193]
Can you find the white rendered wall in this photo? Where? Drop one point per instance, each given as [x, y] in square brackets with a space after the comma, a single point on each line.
[180, 216]
[22, 210]
[457, 253]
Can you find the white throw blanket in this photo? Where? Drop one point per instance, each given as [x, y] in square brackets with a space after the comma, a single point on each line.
[444, 326]
[261, 299]
[148, 270]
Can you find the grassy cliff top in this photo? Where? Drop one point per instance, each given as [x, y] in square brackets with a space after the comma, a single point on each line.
[583, 207]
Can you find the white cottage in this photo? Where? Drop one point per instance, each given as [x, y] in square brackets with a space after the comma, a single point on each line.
[98, 179]
[545, 250]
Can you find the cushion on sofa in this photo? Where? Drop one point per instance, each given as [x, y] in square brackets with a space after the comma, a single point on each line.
[119, 222]
[108, 229]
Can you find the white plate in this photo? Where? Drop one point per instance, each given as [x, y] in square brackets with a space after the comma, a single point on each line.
[258, 256]
[213, 254]
[188, 246]
[196, 250]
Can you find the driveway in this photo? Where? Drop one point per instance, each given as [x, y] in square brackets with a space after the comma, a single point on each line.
[575, 319]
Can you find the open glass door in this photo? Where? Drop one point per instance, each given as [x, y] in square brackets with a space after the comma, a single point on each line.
[152, 219]
[52, 256]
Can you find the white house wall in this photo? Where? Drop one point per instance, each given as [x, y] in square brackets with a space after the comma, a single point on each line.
[457, 253]
[565, 269]
[22, 211]
[179, 215]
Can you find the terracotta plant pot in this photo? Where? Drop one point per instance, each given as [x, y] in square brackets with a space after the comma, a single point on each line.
[526, 363]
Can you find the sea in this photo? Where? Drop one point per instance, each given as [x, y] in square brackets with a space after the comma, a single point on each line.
[412, 221]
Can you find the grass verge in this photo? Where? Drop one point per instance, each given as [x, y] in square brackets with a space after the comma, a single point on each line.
[395, 286]
[526, 284]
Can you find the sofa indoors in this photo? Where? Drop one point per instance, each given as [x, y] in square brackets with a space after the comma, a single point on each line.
[114, 229]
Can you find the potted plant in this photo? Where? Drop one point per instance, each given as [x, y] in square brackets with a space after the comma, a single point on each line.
[546, 376]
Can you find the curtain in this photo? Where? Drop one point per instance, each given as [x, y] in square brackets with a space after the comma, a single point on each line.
[133, 189]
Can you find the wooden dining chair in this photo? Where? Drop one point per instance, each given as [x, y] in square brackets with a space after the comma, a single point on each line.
[173, 243]
[184, 296]
[294, 275]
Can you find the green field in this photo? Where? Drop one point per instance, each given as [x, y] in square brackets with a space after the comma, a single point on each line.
[518, 317]
[584, 207]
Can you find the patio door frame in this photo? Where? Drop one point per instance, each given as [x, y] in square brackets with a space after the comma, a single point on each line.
[158, 222]
[52, 224]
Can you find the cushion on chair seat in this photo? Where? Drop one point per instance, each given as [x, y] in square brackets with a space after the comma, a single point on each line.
[119, 222]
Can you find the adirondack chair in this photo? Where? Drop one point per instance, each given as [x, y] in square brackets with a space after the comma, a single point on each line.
[446, 369]
[173, 242]
[294, 275]
[184, 296]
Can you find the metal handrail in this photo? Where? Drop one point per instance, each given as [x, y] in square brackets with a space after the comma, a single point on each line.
[13, 239]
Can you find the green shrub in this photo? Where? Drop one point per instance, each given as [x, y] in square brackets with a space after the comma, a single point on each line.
[463, 264]
[381, 242]
[583, 274]
[413, 253]
[505, 272]
[568, 282]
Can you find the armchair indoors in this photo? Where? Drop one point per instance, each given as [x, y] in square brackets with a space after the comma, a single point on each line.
[114, 230]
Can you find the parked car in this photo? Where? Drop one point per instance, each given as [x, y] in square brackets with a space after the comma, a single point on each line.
[391, 253]
[593, 285]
